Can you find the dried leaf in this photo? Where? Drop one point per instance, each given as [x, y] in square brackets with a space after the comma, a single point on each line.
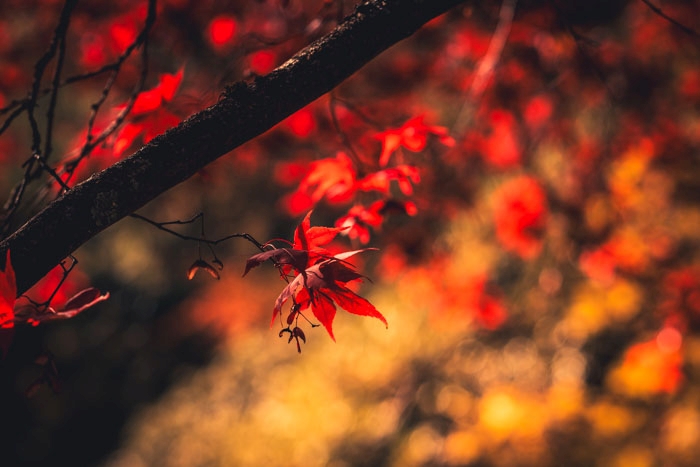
[201, 264]
[284, 256]
[83, 300]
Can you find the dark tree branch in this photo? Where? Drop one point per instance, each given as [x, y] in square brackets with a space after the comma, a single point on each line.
[244, 111]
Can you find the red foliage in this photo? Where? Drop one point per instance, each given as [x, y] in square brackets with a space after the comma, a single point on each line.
[222, 31]
[301, 123]
[320, 280]
[502, 148]
[332, 178]
[537, 111]
[262, 61]
[412, 135]
[8, 294]
[404, 175]
[149, 116]
[322, 284]
[164, 91]
[520, 214]
[359, 219]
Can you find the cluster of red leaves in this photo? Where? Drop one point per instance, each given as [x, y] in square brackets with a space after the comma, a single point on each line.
[318, 279]
[335, 180]
[100, 44]
[149, 114]
[359, 219]
[13, 314]
[412, 135]
[148, 117]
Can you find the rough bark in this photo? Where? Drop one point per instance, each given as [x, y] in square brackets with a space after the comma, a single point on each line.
[244, 111]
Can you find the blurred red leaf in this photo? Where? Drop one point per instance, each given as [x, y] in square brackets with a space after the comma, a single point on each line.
[404, 175]
[520, 213]
[412, 135]
[501, 148]
[8, 295]
[301, 123]
[263, 61]
[148, 101]
[222, 30]
[332, 178]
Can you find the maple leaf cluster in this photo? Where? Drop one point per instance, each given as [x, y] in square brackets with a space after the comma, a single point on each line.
[316, 279]
[336, 180]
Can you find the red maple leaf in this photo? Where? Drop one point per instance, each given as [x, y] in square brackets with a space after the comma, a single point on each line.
[412, 135]
[164, 91]
[320, 278]
[8, 294]
[323, 284]
[312, 238]
[359, 218]
[405, 175]
[305, 249]
[332, 178]
[149, 117]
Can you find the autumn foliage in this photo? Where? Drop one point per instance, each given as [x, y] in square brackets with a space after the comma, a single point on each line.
[527, 213]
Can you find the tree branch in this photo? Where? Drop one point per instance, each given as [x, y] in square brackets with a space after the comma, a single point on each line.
[244, 111]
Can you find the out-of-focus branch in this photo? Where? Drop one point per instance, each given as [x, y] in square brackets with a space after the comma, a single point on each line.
[675, 22]
[487, 65]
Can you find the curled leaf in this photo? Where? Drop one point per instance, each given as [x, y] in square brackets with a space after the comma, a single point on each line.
[33, 316]
[295, 258]
[83, 300]
[217, 262]
[201, 264]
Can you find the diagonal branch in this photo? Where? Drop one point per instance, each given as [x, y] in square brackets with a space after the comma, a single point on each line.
[244, 111]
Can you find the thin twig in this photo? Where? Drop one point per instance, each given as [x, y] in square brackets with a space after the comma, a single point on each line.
[92, 142]
[487, 65]
[675, 22]
[161, 226]
[343, 136]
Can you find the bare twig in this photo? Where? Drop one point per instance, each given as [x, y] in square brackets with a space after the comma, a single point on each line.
[487, 65]
[675, 22]
[202, 238]
[92, 142]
